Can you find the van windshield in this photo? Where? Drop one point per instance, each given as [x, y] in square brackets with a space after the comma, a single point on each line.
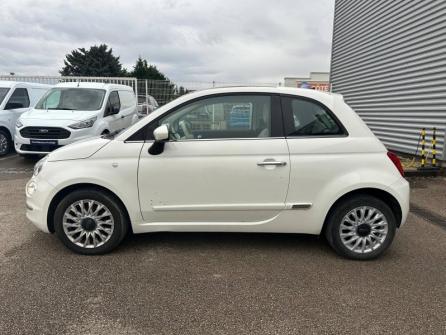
[68, 98]
[3, 92]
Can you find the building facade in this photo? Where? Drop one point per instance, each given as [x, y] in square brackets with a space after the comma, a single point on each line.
[389, 63]
[317, 81]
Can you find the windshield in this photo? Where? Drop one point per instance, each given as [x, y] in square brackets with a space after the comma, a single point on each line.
[85, 99]
[3, 92]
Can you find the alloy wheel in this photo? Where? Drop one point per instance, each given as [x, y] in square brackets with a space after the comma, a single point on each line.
[88, 223]
[363, 229]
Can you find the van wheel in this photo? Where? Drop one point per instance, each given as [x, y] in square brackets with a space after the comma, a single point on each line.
[361, 228]
[5, 142]
[90, 222]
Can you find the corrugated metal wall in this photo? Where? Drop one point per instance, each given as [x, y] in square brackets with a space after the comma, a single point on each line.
[389, 62]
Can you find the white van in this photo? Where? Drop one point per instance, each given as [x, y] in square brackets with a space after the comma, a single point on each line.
[15, 99]
[74, 111]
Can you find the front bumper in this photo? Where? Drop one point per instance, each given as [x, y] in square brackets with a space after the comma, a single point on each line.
[36, 203]
[23, 145]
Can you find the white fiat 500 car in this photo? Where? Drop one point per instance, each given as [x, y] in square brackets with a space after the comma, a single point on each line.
[74, 111]
[227, 160]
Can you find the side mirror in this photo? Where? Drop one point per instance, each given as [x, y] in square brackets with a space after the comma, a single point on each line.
[161, 135]
[13, 105]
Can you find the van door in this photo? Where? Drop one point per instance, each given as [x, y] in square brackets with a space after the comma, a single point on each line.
[128, 108]
[17, 104]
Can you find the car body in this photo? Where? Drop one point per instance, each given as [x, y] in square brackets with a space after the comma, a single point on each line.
[300, 160]
[15, 99]
[74, 111]
[146, 105]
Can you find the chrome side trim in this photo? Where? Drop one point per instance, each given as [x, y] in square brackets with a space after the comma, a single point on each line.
[301, 206]
[219, 207]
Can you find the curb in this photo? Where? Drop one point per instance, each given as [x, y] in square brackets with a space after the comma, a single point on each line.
[424, 173]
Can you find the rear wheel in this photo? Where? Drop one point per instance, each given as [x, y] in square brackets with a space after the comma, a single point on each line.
[361, 228]
[90, 222]
[5, 142]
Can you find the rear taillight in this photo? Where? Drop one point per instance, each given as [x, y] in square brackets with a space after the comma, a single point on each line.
[396, 161]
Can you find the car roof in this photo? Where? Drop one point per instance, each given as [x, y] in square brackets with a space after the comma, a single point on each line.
[265, 89]
[324, 97]
[103, 86]
[12, 83]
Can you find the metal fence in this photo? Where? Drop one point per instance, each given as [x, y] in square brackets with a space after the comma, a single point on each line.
[163, 91]
[53, 80]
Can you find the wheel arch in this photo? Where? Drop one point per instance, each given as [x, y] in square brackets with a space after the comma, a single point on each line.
[385, 196]
[68, 189]
[8, 132]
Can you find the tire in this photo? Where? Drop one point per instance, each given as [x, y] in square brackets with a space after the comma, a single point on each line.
[107, 235]
[362, 219]
[5, 142]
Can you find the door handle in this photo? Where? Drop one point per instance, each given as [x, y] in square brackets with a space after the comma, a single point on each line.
[271, 162]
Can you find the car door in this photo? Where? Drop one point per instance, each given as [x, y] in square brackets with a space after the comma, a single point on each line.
[112, 112]
[17, 104]
[223, 164]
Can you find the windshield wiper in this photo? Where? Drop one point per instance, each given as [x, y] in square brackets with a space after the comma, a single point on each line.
[62, 108]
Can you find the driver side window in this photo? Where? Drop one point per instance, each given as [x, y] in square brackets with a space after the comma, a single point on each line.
[113, 104]
[18, 99]
[237, 116]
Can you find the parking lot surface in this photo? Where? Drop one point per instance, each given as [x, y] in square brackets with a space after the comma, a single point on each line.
[178, 283]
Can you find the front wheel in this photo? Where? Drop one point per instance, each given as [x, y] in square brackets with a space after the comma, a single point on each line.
[361, 227]
[90, 222]
[5, 143]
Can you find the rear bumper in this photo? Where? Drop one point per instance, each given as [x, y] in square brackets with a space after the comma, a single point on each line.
[401, 191]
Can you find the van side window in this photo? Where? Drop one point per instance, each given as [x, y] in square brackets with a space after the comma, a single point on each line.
[18, 99]
[306, 118]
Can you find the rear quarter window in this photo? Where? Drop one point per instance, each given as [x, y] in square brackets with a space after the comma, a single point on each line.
[304, 117]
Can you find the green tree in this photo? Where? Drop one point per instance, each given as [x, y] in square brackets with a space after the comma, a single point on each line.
[142, 70]
[97, 61]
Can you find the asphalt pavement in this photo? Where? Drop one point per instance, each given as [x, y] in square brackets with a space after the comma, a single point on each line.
[213, 283]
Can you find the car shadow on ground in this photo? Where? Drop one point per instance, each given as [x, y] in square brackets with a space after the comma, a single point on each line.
[193, 242]
[205, 240]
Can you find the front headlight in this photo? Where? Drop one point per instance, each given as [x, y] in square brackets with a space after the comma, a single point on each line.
[39, 166]
[31, 187]
[84, 124]
[19, 124]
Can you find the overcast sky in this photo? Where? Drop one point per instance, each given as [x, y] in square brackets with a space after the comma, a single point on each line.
[246, 41]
